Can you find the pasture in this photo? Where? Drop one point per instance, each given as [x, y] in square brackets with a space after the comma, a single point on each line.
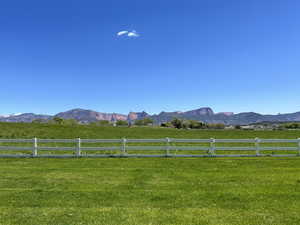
[128, 141]
[23, 130]
[156, 191]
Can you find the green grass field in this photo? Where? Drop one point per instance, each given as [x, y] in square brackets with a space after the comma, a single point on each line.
[149, 191]
[216, 191]
[23, 130]
[93, 132]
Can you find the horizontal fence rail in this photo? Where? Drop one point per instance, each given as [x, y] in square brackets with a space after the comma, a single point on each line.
[163, 147]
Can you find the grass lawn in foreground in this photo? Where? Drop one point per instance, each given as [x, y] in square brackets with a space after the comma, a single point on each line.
[152, 191]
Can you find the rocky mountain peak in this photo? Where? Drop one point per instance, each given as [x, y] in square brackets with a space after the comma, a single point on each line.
[206, 111]
[137, 116]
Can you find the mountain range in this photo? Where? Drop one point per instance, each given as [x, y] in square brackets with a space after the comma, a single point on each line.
[205, 114]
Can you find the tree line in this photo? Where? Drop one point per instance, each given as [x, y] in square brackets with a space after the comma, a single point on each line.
[192, 124]
[174, 123]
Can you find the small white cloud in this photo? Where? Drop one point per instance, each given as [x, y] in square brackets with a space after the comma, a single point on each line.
[133, 34]
[128, 33]
[122, 32]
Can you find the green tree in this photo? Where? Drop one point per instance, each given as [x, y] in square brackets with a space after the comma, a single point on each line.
[186, 124]
[122, 123]
[292, 125]
[238, 127]
[101, 123]
[58, 120]
[193, 124]
[216, 126]
[166, 124]
[38, 121]
[177, 123]
[104, 123]
[144, 122]
[69, 122]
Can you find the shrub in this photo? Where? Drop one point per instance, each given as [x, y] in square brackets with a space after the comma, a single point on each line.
[193, 124]
[39, 121]
[177, 123]
[69, 122]
[101, 123]
[185, 124]
[291, 125]
[122, 123]
[57, 120]
[144, 122]
[216, 126]
[166, 124]
[238, 127]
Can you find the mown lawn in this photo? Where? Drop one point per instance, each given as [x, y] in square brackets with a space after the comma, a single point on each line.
[150, 191]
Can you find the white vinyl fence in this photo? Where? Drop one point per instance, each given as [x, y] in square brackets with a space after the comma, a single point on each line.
[165, 147]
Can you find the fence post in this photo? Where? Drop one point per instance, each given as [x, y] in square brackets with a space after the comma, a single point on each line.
[257, 140]
[212, 146]
[35, 146]
[78, 147]
[124, 146]
[168, 146]
[298, 146]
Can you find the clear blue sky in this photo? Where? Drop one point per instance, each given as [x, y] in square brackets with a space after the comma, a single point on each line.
[231, 55]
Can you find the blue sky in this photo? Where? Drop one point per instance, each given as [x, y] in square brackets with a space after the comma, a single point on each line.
[230, 55]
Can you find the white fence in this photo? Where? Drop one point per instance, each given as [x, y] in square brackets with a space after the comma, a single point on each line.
[165, 147]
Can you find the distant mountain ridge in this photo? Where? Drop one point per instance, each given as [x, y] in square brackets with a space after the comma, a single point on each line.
[24, 117]
[132, 116]
[87, 116]
[204, 114]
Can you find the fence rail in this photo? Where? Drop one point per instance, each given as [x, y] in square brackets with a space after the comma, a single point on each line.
[163, 147]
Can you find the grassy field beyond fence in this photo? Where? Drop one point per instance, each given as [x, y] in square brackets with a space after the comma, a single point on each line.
[48, 131]
[24, 130]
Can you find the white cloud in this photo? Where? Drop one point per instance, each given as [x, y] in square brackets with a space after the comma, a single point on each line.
[128, 33]
[133, 34]
[122, 32]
